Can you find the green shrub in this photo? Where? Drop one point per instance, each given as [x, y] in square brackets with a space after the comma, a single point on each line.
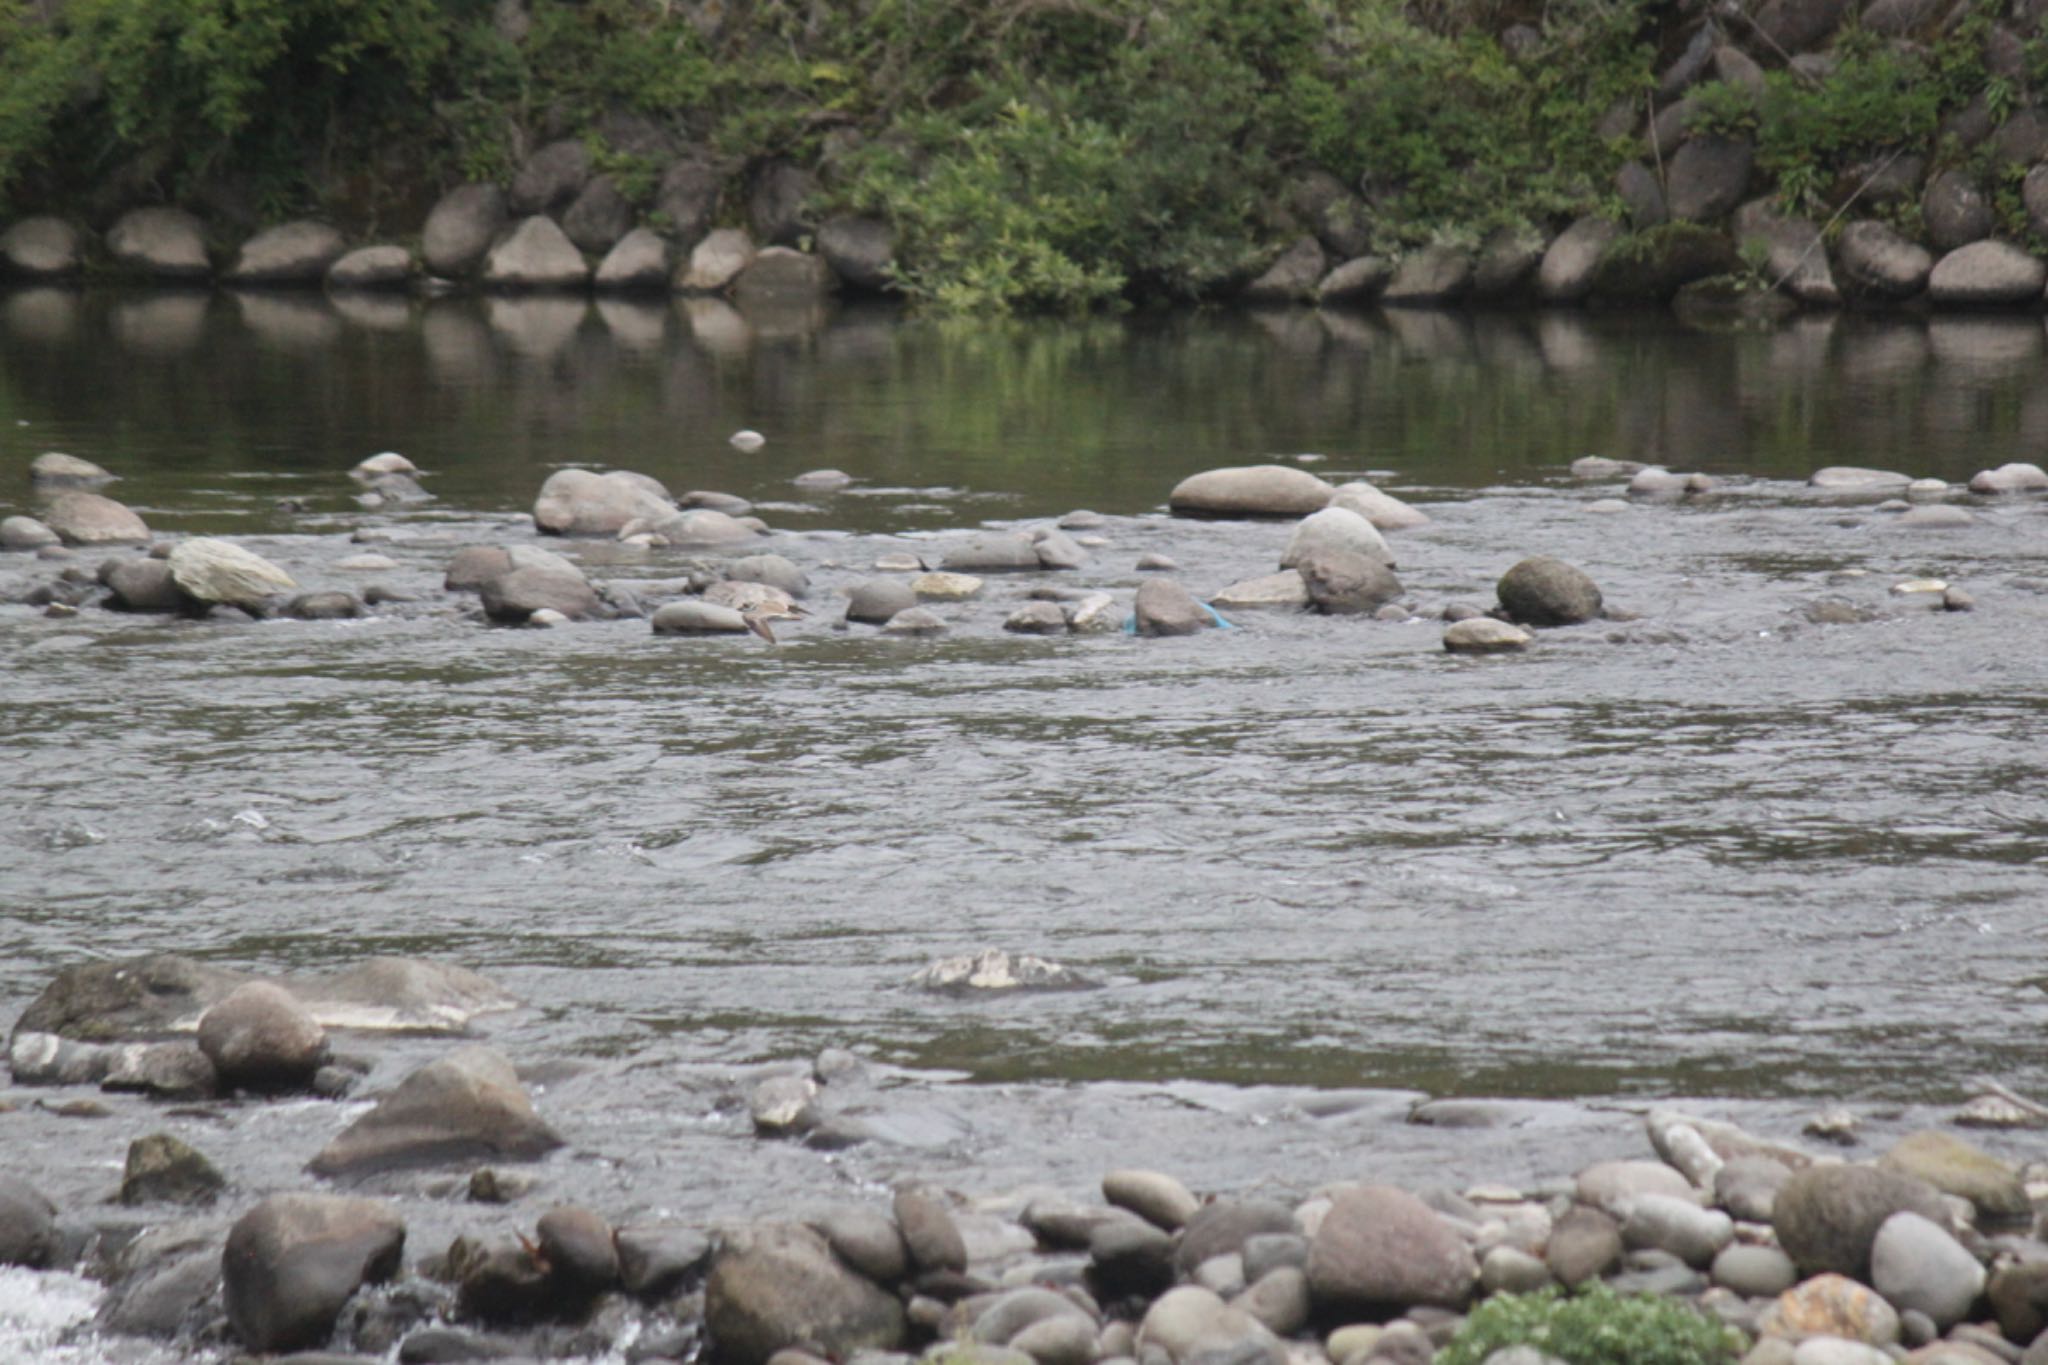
[1594, 1327]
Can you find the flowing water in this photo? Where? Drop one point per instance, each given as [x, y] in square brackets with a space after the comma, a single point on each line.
[1320, 867]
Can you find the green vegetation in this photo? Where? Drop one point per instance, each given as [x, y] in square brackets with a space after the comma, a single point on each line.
[1594, 1327]
[1062, 154]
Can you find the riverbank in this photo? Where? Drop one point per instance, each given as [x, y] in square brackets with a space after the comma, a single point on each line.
[1792, 153]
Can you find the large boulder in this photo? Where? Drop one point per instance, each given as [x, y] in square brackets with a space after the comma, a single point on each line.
[1566, 274]
[28, 1224]
[2015, 477]
[144, 585]
[1992, 1185]
[297, 253]
[1795, 256]
[1333, 211]
[1267, 490]
[475, 565]
[1343, 582]
[578, 502]
[163, 244]
[1541, 591]
[461, 227]
[551, 178]
[1293, 277]
[1878, 263]
[1827, 1216]
[638, 262]
[91, 519]
[1917, 1265]
[40, 248]
[462, 1108]
[294, 1260]
[599, 217]
[55, 469]
[774, 1286]
[861, 251]
[1955, 210]
[1381, 1250]
[1708, 177]
[1651, 267]
[262, 1038]
[223, 573]
[535, 255]
[715, 262]
[25, 533]
[511, 598]
[687, 198]
[1433, 275]
[1334, 528]
[1191, 1324]
[1987, 273]
[782, 275]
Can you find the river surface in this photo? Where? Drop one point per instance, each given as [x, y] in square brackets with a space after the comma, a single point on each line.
[1320, 868]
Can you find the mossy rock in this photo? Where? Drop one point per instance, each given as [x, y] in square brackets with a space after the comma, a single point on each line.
[1652, 266]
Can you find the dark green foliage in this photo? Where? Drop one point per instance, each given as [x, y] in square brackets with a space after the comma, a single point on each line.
[1594, 1327]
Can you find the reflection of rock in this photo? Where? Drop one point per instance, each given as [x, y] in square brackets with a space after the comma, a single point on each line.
[718, 326]
[537, 326]
[160, 324]
[634, 326]
[289, 322]
[457, 343]
[785, 319]
[995, 970]
[1984, 349]
[373, 311]
[49, 316]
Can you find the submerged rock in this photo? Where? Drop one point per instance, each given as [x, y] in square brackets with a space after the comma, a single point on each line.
[995, 970]
[515, 597]
[28, 1224]
[463, 1107]
[1385, 511]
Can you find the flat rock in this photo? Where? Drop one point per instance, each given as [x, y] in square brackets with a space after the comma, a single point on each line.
[211, 570]
[1987, 274]
[1853, 479]
[464, 1107]
[55, 469]
[297, 253]
[1284, 590]
[1250, 491]
[992, 552]
[579, 502]
[1484, 635]
[93, 519]
[372, 267]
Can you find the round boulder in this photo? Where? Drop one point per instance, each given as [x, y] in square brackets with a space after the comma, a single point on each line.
[578, 502]
[262, 1038]
[1268, 490]
[1879, 263]
[2007, 478]
[775, 571]
[1986, 274]
[512, 598]
[144, 585]
[1334, 528]
[1345, 583]
[861, 251]
[1916, 1265]
[874, 601]
[25, 533]
[294, 1260]
[1192, 1324]
[1541, 591]
[1827, 1216]
[774, 1286]
[289, 254]
[40, 248]
[91, 519]
[1383, 510]
[164, 244]
[1484, 635]
[1381, 1249]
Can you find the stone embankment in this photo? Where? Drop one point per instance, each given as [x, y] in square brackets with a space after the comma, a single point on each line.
[1930, 1254]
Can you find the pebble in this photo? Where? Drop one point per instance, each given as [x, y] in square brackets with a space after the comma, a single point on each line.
[747, 440]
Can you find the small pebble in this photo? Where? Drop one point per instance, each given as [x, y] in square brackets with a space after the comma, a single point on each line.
[746, 439]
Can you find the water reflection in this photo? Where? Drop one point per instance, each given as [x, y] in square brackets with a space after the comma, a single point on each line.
[536, 326]
[717, 326]
[44, 315]
[168, 322]
[289, 321]
[373, 310]
[634, 324]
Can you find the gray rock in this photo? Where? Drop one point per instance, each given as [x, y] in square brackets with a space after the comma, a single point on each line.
[637, 263]
[783, 275]
[1993, 1186]
[1852, 479]
[1508, 258]
[1250, 491]
[28, 1224]
[475, 565]
[774, 1286]
[372, 267]
[1796, 25]
[1897, 18]
[170, 1299]
[782, 1105]
[1164, 607]
[1484, 635]
[1095, 614]
[165, 1070]
[40, 248]
[771, 570]
[929, 1232]
[1191, 1324]
[551, 178]
[1057, 549]
[861, 251]
[697, 528]
[164, 244]
[144, 585]
[1755, 1272]
[1037, 618]
[1935, 519]
[1642, 194]
[1986, 273]
[55, 469]
[578, 1248]
[694, 616]
[1663, 485]
[536, 254]
[598, 217]
[1358, 280]
[261, 1038]
[1878, 263]
[1678, 1227]
[325, 606]
[687, 198]
[1285, 590]
[778, 203]
[1279, 1301]
[995, 970]
[1334, 529]
[1652, 267]
[656, 1260]
[1795, 256]
[460, 229]
[2007, 478]
[577, 502]
[1338, 217]
[513, 597]
[161, 1169]
[1509, 1270]
[1063, 1339]
[1708, 177]
[297, 253]
[716, 262]
[221, 572]
[1227, 1226]
[292, 1261]
[1956, 211]
[1827, 1216]
[25, 533]
[1566, 274]
[1292, 278]
[873, 601]
[992, 552]
[1584, 1244]
[1381, 1248]
[1542, 591]
[1748, 1186]
[1917, 1266]
[91, 519]
[1737, 68]
[1433, 275]
[1153, 1195]
[463, 1107]
[868, 1240]
[1345, 583]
